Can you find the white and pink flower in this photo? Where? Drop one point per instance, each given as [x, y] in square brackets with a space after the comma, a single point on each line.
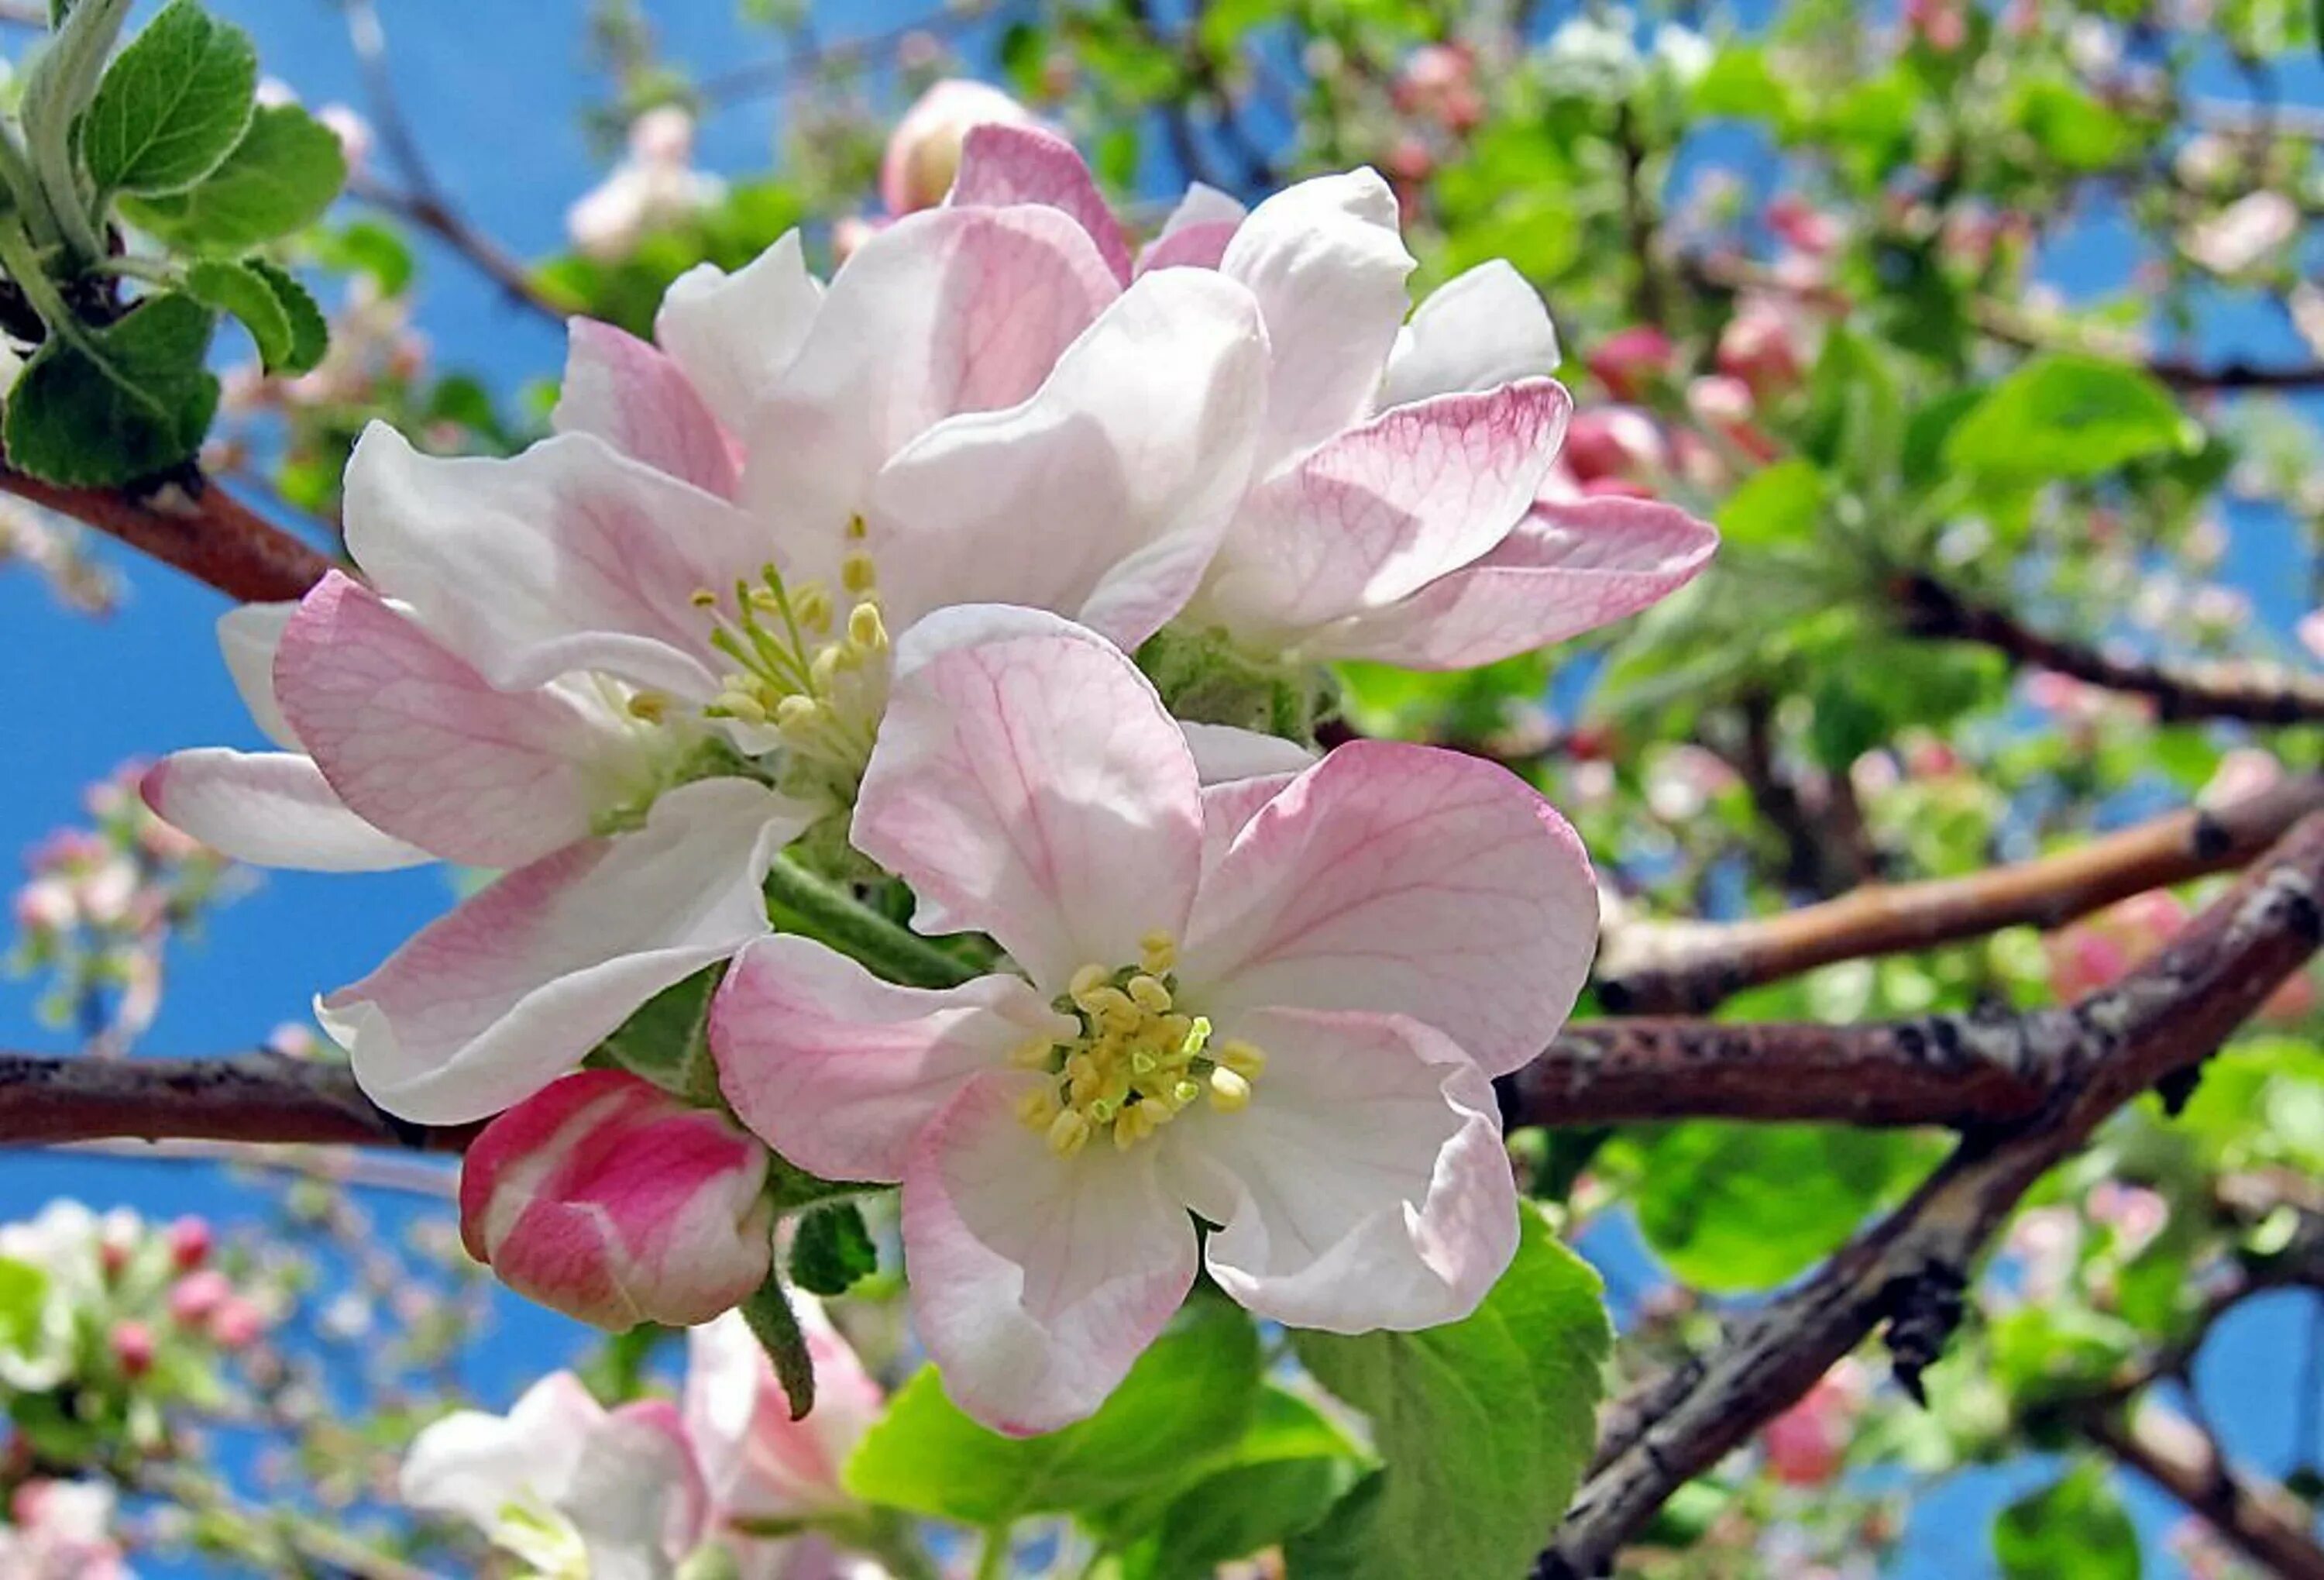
[1275, 1005]
[612, 1201]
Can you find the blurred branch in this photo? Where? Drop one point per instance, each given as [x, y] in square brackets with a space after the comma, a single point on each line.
[331, 1164]
[2259, 1518]
[1690, 967]
[247, 1097]
[2257, 693]
[756, 76]
[1908, 1270]
[192, 525]
[423, 202]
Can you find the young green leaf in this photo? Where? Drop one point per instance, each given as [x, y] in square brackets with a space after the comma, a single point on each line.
[310, 333]
[172, 104]
[239, 289]
[2076, 1526]
[57, 89]
[832, 1249]
[137, 401]
[282, 175]
[1483, 1425]
[2068, 416]
[1178, 1413]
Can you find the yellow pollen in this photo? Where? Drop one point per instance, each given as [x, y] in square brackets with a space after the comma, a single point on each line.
[1157, 953]
[866, 630]
[648, 706]
[1133, 1061]
[857, 573]
[813, 606]
[825, 694]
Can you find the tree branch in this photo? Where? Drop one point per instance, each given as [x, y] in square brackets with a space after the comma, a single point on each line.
[1691, 967]
[248, 1098]
[1908, 1270]
[198, 528]
[2265, 1522]
[2265, 694]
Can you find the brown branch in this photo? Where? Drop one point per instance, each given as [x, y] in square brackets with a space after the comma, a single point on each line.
[201, 530]
[2259, 1518]
[2258, 693]
[248, 1098]
[1908, 1269]
[1691, 967]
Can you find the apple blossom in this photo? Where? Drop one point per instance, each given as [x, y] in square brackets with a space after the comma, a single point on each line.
[633, 663]
[572, 1489]
[612, 1201]
[1395, 511]
[2244, 233]
[61, 1530]
[656, 186]
[1277, 1004]
[924, 150]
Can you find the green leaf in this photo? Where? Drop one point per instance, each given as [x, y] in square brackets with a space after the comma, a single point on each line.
[2076, 1526]
[1285, 1476]
[1483, 1425]
[310, 332]
[1779, 505]
[171, 105]
[57, 89]
[1732, 1207]
[365, 246]
[242, 291]
[832, 1249]
[1188, 1400]
[667, 1039]
[775, 1327]
[24, 1296]
[135, 402]
[282, 175]
[2068, 416]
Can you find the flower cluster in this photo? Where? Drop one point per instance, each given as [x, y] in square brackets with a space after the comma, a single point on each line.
[574, 1489]
[1006, 569]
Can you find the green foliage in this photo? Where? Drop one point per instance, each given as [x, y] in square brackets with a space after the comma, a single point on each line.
[1181, 1413]
[832, 1249]
[2067, 416]
[126, 402]
[173, 106]
[280, 177]
[2074, 1526]
[667, 1040]
[1482, 1425]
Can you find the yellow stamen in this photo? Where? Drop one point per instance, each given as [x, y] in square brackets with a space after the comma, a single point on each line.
[1230, 1092]
[857, 573]
[1069, 1133]
[1032, 1056]
[1243, 1059]
[1038, 1108]
[865, 628]
[1157, 953]
[1150, 995]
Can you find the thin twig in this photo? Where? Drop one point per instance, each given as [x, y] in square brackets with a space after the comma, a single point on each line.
[2252, 1514]
[201, 530]
[247, 1097]
[1690, 967]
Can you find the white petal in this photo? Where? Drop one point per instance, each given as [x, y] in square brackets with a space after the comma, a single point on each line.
[476, 1465]
[734, 334]
[248, 634]
[1476, 331]
[638, 401]
[271, 809]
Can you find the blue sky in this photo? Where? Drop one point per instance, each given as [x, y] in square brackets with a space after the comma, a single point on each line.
[496, 96]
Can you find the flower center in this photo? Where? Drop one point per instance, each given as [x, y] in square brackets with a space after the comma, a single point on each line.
[819, 682]
[1136, 1061]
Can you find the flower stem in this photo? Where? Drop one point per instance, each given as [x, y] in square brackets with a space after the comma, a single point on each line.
[993, 1557]
[825, 911]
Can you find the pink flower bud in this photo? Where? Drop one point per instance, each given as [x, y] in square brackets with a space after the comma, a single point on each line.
[132, 1348]
[354, 132]
[608, 1199]
[924, 151]
[189, 1243]
[237, 1324]
[1800, 224]
[1630, 361]
[1756, 348]
[196, 1297]
[1614, 441]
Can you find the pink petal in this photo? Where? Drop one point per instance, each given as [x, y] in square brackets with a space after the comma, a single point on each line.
[1002, 164]
[1228, 809]
[734, 334]
[1141, 440]
[271, 809]
[1375, 514]
[1033, 786]
[486, 1006]
[1224, 753]
[1403, 880]
[1478, 330]
[1325, 260]
[945, 311]
[418, 744]
[640, 402]
[248, 634]
[1035, 1280]
[568, 557]
[838, 1069]
[1366, 1185]
[758, 1461]
[1198, 246]
[1569, 568]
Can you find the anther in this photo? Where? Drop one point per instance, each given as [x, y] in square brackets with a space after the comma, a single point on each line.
[1150, 994]
[1034, 1055]
[1069, 1133]
[1038, 1108]
[1087, 978]
[1242, 1058]
[1230, 1092]
[865, 628]
[857, 573]
[1157, 953]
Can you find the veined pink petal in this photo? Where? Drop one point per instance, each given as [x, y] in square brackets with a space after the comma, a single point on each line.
[271, 809]
[1228, 809]
[1035, 1280]
[1105, 495]
[1196, 234]
[1569, 566]
[608, 1199]
[248, 634]
[1327, 266]
[488, 1004]
[1402, 880]
[837, 1070]
[418, 744]
[1477, 331]
[1366, 1185]
[759, 1464]
[640, 402]
[569, 557]
[734, 334]
[945, 311]
[1372, 515]
[1032, 787]
[1001, 163]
